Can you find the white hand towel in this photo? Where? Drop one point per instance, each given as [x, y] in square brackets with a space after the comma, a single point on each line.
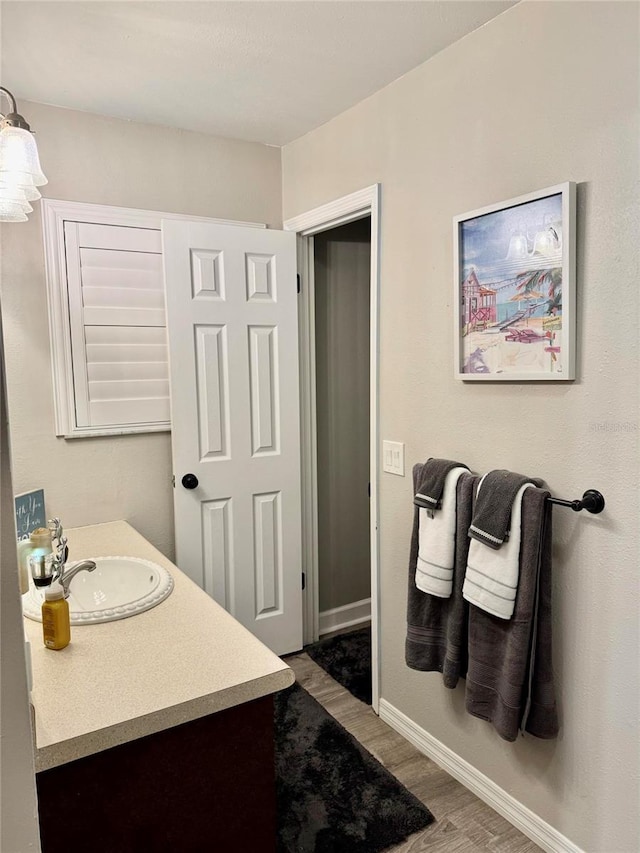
[437, 542]
[491, 578]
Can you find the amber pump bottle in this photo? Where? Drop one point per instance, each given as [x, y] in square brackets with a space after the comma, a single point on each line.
[56, 627]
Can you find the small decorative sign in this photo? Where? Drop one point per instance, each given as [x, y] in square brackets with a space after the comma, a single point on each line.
[514, 288]
[30, 512]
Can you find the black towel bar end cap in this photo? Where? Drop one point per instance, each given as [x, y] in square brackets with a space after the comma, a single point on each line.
[592, 501]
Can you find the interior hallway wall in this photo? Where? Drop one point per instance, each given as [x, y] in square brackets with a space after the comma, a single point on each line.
[96, 159]
[545, 93]
[342, 288]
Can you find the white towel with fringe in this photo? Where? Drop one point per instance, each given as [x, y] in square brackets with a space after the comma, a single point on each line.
[437, 541]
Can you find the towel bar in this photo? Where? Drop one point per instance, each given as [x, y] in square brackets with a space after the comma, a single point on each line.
[591, 500]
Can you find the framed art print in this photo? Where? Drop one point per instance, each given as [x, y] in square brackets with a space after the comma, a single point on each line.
[514, 266]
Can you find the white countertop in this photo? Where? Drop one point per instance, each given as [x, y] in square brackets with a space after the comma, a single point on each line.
[118, 681]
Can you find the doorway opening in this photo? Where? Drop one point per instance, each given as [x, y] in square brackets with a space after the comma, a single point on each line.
[338, 262]
[342, 261]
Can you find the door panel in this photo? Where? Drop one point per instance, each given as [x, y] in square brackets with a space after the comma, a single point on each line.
[233, 344]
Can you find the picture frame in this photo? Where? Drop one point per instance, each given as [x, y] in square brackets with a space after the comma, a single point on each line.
[514, 289]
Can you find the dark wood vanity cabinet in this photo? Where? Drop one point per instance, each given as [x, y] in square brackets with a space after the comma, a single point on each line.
[206, 785]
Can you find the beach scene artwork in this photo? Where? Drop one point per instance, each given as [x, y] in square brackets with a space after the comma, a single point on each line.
[510, 289]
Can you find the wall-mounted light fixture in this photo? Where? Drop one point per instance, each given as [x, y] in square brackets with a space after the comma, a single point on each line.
[20, 172]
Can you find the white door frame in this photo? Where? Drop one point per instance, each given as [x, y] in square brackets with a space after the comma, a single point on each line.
[357, 205]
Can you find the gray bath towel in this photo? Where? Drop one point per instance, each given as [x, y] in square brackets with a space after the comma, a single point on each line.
[428, 490]
[492, 512]
[510, 675]
[437, 627]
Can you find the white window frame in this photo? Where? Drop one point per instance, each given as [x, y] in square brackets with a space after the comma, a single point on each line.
[54, 215]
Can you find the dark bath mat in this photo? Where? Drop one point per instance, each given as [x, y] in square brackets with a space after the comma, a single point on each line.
[347, 658]
[333, 796]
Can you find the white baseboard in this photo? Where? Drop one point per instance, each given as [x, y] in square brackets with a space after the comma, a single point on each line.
[529, 823]
[345, 617]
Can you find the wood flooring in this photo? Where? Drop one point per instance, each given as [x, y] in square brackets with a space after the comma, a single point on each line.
[463, 822]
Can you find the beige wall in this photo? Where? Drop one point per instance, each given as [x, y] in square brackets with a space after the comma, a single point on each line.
[96, 159]
[547, 92]
[342, 287]
[18, 809]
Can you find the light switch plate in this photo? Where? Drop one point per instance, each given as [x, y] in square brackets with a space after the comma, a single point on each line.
[393, 457]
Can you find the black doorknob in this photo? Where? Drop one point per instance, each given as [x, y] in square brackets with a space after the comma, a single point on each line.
[190, 481]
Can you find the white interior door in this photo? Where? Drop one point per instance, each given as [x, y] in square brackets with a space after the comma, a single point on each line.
[233, 351]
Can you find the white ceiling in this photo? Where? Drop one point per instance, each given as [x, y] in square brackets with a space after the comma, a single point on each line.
[261, 71]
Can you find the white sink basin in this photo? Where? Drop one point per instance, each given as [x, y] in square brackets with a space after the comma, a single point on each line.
[117, 588]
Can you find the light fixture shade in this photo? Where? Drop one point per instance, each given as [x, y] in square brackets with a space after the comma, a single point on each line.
[30, 193]
[11, 211]
[18, 179]
[15, 195]
[19, 161]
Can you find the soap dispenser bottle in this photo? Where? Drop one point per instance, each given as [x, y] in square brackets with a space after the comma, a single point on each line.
[56, 627]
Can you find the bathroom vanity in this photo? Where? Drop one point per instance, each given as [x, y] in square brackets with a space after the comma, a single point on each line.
[155, 732]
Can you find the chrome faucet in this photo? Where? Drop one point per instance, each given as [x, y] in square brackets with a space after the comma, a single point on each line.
[65, 577]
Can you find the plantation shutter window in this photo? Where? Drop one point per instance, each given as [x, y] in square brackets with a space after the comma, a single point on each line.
[117, 327]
